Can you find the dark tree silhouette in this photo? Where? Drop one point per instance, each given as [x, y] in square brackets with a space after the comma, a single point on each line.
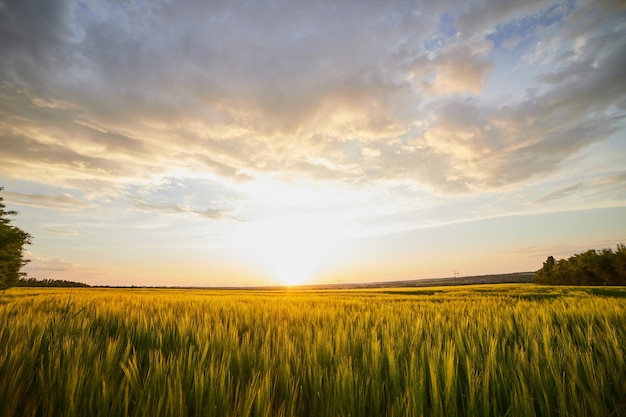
[33, 282]
[12, 241]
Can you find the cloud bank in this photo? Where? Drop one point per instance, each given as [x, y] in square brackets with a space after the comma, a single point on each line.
[447, 98]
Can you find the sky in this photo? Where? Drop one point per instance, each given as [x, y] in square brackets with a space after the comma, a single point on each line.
[219, 143]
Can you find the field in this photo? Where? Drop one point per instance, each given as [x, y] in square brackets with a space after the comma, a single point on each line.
[515, 350]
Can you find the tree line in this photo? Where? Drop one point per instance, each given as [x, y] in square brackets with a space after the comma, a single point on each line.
[593, 267]
[33, 282]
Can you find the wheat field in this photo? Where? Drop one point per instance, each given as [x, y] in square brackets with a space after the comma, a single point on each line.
[514, 350]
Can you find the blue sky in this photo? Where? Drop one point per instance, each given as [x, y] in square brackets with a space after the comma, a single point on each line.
[233, 143]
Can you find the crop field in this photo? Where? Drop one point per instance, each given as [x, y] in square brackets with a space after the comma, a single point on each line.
[514, 350]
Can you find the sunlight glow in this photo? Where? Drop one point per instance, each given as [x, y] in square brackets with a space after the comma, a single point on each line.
[291, 250]
[290, 264]
[294, 232]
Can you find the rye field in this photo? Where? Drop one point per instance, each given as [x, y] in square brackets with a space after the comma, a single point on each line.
[501, 350]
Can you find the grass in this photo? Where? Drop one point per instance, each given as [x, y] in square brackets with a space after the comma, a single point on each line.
[515, 350]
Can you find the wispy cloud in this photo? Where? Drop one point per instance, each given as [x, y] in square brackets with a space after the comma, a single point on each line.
[606, 186]
[50, 201]
[562, 193]
[41, 264]
[210, 213]
[62, 232]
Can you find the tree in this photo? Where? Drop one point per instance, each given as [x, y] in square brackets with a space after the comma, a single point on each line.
[619, 262]
[543, 276]
[12, 241]
[593, 267]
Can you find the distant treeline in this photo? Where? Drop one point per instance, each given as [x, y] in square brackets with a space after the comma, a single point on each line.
[594, 267]
[33, 282]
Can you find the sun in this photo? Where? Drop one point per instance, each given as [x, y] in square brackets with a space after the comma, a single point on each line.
[291, 251]
[290, 260]
[290, 266]
[293, 233]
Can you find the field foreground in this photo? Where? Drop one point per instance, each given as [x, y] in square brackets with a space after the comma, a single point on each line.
[516, 350]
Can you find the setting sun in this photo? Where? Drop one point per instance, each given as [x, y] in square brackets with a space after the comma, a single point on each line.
[291, 250]
[289, 265]
[294, 236]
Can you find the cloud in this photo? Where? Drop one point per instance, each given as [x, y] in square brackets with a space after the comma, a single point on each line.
[106, 96]
[501, 145]
[483, 16]
[118, 90]
[608, 186]
[168, 208]
[53, 201]
[456, 70]
[33, 38]
[18, 149]
[562, 193]
[186, 196]
[46, 264]
[62, 232]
